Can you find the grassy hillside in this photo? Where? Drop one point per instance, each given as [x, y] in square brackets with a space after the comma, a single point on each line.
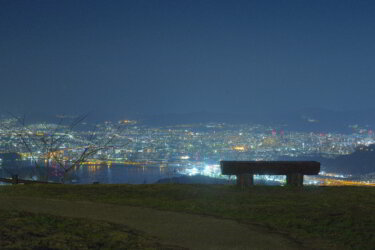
[337, 216]
[23, 230]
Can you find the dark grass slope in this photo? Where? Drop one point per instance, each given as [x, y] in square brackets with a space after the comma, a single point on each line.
[23, 230]
[342, 217]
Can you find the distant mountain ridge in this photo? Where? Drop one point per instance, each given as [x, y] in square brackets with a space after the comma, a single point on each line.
[315, 119]
[361, 162]
[307, 120]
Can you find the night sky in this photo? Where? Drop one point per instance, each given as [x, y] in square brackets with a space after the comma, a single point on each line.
[159, 57]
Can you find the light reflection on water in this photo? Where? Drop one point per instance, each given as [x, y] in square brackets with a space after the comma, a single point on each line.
[123, 174]
[112, 174]
[129, 174]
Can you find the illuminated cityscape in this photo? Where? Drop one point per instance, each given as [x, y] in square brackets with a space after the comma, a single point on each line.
[191, 148]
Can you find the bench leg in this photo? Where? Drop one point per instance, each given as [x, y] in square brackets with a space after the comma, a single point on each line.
[15, 179]
[245, 180]
[294, 180]
[240, 180]
[300, 180]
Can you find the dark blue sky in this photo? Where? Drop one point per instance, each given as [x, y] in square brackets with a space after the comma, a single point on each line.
[155, 57]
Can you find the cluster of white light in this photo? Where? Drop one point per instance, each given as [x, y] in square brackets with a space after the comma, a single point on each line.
[214, 171]
[323, 173]
[203, 169]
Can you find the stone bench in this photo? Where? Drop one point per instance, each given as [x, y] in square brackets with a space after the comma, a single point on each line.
[245, 170]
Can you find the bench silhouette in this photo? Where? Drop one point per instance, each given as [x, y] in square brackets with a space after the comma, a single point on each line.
[294, 170]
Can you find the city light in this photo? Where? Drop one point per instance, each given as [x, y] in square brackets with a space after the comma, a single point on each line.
[191, 149]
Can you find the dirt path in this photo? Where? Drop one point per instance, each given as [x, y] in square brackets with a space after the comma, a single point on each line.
[192, 231]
